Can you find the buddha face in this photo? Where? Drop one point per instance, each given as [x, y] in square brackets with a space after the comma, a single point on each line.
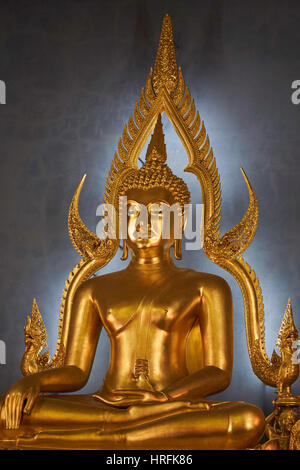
[148, 226]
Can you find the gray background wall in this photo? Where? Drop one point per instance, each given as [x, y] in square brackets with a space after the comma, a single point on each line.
[73, 71]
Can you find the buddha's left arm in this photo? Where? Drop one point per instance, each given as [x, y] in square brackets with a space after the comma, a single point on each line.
[216, 325]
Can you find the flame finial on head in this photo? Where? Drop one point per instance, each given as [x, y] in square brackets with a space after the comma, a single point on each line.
[155, 173]
[157, 147]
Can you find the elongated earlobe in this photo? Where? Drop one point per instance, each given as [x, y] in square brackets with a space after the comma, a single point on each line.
[125, 251]
[178, 248]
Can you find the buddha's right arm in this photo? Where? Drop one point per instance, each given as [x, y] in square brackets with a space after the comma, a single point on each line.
[84, 331]
[83, 336]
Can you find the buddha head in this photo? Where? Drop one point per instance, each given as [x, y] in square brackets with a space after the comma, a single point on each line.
[155, 199]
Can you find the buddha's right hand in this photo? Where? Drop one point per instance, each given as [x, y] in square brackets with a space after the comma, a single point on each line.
[25, 391]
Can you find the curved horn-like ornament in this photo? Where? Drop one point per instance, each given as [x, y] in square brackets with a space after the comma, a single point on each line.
[88, 245]
[234, 242]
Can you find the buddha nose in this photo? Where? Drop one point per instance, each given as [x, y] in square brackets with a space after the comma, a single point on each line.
[143, 227]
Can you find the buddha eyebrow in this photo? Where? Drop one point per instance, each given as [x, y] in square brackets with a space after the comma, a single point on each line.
[161, 201]
[158, 203]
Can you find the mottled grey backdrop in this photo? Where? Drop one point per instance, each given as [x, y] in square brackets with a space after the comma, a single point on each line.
[73, 70]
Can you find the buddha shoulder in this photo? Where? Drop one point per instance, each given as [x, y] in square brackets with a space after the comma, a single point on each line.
[190, 279]
[100, 283]
[205, 281]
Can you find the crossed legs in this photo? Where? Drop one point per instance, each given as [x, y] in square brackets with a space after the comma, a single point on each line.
[81, 422]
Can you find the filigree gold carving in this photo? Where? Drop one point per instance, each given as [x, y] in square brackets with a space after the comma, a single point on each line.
[165, 68]
[282, 427]
[35, 341]
[281, 371]
[289, 368]
[294, 443]
[88, 245]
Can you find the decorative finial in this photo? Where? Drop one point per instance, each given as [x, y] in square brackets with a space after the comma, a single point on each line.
[38, 323]
[287, 325]
[157, 148]
[165, 68]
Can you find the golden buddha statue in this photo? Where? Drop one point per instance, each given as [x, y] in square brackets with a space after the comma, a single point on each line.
[170, 329]
[148, 398]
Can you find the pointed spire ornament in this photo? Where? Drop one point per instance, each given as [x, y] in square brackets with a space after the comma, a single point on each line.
[37, 322]
[165, 68]
[287, 326]
[157, 147]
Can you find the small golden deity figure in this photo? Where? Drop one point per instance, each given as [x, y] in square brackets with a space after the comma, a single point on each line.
[170, 329]
[279, 426]
[294, 441]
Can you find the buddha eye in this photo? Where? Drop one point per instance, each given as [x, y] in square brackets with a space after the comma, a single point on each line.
[133, 210]
[158, 209]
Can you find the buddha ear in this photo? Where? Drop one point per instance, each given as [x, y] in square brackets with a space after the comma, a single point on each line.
[178, 248]
[185, 215]
[125, 251]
